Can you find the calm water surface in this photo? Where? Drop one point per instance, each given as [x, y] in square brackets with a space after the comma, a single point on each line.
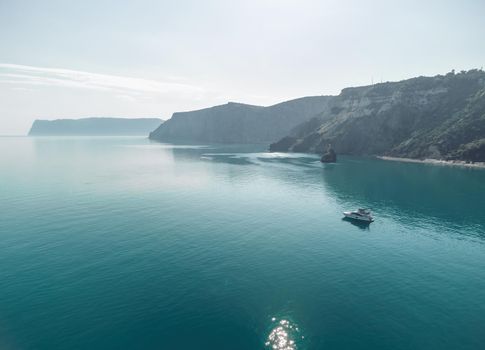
[121, 243]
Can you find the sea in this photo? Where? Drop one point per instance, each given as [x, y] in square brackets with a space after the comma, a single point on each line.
[126, 243]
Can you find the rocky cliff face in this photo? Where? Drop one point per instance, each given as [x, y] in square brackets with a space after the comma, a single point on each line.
[441, 117]
[94, 126]
[239, 123]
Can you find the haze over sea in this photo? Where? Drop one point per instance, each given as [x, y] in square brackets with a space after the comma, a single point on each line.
[123, 243]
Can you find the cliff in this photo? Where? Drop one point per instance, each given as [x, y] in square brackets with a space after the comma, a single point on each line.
[239, 123]
[441, 117]
[94, 127]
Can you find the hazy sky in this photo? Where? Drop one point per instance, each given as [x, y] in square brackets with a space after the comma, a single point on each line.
[151, 58]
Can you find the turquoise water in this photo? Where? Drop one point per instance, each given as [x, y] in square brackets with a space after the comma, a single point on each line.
[120, 243]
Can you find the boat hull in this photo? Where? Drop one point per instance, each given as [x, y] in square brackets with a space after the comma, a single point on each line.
[361, 218]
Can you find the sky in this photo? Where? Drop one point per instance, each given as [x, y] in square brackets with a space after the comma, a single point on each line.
[73, 59]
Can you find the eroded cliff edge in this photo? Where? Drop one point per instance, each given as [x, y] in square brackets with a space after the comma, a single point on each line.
[441, 117]
[239, 123]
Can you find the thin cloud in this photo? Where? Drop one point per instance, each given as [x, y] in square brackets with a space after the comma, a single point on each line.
[22, 75]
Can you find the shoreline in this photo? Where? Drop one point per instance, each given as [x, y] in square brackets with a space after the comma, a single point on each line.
[462, 163]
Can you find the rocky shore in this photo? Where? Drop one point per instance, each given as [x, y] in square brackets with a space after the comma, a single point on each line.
[437, 162]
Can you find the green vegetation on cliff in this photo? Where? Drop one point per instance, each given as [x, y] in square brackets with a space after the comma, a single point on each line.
[441, 117]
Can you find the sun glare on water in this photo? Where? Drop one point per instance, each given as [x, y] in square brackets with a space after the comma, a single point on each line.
[283, 336]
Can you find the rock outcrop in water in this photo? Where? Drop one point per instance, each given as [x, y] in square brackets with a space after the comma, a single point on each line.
[94, 127]
[441, 117]
[239, 123]
[329, 156]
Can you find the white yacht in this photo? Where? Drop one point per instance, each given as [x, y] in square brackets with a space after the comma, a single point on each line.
[359, 214]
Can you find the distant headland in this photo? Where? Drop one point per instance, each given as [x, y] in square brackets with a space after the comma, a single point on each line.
[95, 127]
